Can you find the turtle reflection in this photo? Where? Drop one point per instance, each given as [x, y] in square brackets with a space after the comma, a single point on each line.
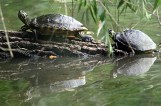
[46, 76]
[133, 66]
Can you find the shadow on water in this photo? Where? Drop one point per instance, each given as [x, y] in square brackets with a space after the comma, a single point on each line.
[133, 66]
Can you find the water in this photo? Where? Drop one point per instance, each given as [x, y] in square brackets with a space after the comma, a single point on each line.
[71, 81]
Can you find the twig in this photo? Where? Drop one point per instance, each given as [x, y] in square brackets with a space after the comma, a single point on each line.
[65, 7]
[157, 15]
[8, 43]
[101, 3]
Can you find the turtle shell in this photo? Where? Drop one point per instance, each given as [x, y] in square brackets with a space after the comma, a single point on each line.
[138, 40]
[56, 23]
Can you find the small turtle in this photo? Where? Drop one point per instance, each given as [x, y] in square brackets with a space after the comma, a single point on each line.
[51, 24]
[131, 40]
[86, 36]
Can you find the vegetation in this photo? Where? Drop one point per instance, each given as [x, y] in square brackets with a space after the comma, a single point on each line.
[99, 9]
[106, 18]
[100, 12]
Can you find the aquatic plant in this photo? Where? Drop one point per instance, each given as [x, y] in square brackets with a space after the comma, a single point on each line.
[107, 18]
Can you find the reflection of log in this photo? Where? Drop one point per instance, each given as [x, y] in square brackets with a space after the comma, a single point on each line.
[23, 43]
[45, 76]
[48, 70]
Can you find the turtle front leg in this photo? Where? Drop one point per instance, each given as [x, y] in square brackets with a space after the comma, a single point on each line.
[24, 28]
[35, 34]
[120, 51]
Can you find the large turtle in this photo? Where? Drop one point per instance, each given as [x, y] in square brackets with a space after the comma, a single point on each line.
[51, 24]
[131, 40]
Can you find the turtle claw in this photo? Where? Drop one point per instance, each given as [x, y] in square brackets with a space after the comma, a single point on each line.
[121, 51]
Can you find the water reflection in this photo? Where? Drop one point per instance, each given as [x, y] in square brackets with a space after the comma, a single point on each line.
[133, 66]
[54, 87]
[48, 76]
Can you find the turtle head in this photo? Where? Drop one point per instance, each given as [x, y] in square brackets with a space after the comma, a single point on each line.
[24, 17]
[112, 33]
[160, 44]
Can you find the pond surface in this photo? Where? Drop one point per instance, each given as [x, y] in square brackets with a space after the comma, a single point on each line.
[71, 81]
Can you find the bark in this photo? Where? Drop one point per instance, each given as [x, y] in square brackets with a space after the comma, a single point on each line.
[24, 44]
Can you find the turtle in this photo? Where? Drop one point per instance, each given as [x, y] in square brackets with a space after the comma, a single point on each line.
[52, 24]
[132, 41]
[86, 36]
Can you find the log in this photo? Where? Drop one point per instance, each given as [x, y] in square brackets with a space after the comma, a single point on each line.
[23, 44]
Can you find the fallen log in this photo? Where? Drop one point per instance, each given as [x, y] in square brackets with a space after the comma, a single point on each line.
[24, 44]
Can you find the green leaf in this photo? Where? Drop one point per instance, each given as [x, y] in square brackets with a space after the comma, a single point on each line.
[110, 48]
[148, 15]
[86, 14]
[80, 5]
[156, 4]
[102, 15]
[102, 38]
[93, 13]
[123, 9]
[120, 3]
[131, 7]
[85, 2]
[95, 7]
[108, 43]
[100, 26]
[124, 4]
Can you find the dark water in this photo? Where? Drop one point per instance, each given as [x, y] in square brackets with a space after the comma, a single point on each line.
[95, 81]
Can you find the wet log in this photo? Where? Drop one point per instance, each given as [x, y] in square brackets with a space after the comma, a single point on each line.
[24, 44]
